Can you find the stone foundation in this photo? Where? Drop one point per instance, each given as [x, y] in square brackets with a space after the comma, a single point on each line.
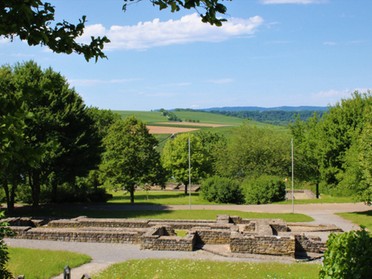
[264, 245]
[253, 236]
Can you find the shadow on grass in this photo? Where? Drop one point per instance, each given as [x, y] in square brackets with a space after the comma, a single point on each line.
[151, 198]
[90, 210]
[367, 213]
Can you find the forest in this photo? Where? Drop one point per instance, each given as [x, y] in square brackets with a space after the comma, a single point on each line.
[56, 149]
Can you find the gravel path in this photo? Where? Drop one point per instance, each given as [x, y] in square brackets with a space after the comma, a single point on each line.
[104, 254]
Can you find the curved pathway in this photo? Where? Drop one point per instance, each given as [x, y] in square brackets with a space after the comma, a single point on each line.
[104, 254]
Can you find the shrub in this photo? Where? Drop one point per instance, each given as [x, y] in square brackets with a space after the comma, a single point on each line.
[221, 190]
[264, 189]
[4, 257]
[348, 255]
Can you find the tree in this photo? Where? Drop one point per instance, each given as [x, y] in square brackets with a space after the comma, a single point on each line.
[175, 159]
[15, 154]
[130, 157]
[51, 139]
[34, 22]
[340, 130]
[253, 151]
[306, 155]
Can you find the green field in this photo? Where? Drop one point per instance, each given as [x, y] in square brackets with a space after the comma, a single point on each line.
[34, 264]
[194, 269]
[360, 218]
[151, 117]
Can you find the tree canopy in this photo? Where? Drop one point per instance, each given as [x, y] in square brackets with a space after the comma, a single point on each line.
[336, 149]
[130, 157]
[49, 138]
[34, 21]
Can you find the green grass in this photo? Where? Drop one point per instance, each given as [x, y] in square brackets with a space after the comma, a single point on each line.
[158, 197]
[323, 199]
[190, 269]
[42, 263]
[360, 218]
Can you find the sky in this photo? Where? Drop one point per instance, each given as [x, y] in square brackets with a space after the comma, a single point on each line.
[269, 53]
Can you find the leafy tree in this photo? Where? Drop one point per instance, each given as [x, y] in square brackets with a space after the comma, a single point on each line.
[306, 153]
[130, 157]
[175, 158]
[339, 130]
[56, 138]
[34, 22]
[15, 155]
[253, 151]
[348, 255]
[4, 256]
[214, 145]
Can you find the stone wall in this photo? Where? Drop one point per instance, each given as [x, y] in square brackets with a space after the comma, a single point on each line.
[98, 222]
[206, 235]
[265, 245]
[254, 236]
[164, 238]
[309, 244]
[78, 235]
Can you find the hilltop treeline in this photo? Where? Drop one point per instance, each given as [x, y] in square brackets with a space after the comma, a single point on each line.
[275, 117]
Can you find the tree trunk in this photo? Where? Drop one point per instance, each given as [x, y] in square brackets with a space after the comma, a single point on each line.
[9, 204]
[35, 188]
[131, 191]
[317, 190]
[186, 185]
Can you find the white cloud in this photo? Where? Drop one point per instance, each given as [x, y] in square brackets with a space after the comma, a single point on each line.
[329, 43]
[303, 2]
[221, 81]
[188, 29]
[332, 96]
[4, 40]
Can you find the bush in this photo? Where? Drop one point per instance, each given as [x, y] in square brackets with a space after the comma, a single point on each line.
[4, 256]
[264, 189]
[348, 255]
[221, 190]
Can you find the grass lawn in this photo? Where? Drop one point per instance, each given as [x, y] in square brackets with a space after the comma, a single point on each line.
[360, 218]
[42, 263]
[158, 197]
[323, 199]
[188, 269]
[72, 211]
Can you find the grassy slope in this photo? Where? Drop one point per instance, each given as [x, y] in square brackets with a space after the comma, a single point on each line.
[190, 269]
[42, 263]
[154, 117]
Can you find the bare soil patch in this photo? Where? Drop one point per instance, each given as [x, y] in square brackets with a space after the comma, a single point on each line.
[169, 130]
[194, 124]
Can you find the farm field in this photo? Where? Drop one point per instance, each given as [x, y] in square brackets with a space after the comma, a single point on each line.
[158, 124]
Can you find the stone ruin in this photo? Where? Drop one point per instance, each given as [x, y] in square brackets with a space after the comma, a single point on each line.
[240, 236]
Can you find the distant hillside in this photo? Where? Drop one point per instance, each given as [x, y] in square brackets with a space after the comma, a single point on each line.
[276, 115]
[282, 108]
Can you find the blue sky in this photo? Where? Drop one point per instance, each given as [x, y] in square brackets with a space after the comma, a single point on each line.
[269, 53]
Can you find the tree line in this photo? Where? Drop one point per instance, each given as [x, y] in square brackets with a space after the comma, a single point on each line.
[56, 149]
[275, 117]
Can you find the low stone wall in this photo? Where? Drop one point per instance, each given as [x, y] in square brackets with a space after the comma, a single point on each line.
[161, 238]
[98, 222]
[24, 222]
[309, 244]
[253, 236]
[212, 236]
[265, 245]
[80, 235]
